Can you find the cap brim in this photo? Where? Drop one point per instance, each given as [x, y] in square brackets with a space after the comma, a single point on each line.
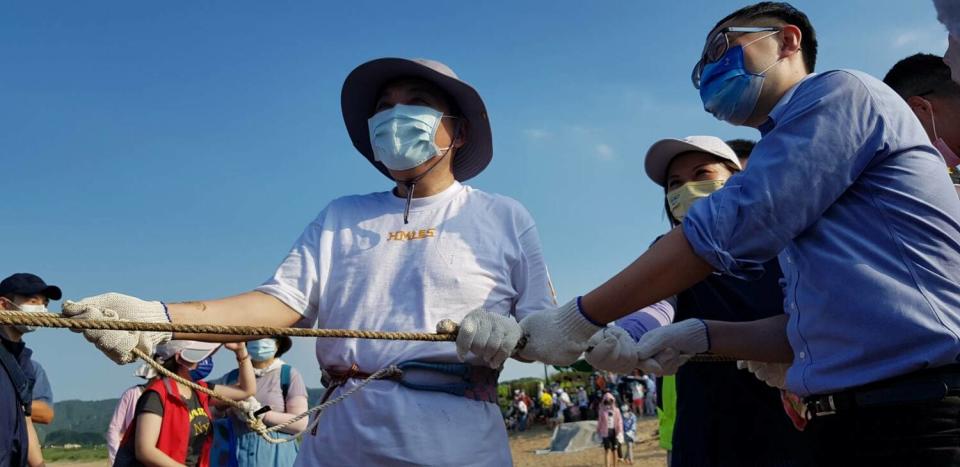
[52, 292]
[198, 351]
[659, 157]
[359, 95]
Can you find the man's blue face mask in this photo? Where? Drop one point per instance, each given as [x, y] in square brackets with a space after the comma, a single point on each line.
[728, 90]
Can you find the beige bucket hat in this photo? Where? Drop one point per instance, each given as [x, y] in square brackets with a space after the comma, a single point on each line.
[359, 96]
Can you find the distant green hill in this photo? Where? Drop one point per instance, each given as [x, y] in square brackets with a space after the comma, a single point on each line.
[76, 421]
[85, 422]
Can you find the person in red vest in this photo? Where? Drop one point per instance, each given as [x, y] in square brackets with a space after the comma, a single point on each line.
[172, 421]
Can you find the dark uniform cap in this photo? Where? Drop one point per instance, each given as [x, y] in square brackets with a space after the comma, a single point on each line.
[24, 283]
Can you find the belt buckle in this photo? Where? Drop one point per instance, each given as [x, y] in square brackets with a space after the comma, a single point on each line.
[822, 406]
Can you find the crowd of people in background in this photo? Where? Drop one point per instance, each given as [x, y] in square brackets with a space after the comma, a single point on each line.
[615, 401]
[561, 402]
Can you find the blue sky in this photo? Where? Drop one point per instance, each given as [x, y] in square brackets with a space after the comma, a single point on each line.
[175, 150]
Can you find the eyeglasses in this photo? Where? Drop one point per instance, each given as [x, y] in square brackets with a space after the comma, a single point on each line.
[718, 45]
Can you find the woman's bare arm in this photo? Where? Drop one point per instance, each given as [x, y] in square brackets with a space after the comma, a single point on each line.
[145, 444]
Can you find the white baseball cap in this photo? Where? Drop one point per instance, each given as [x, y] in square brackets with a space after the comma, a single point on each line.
[662, 152]
[190, 351]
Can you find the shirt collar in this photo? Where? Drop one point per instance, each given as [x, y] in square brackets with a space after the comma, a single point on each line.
[419, 204]
[277, 363]
[779, 108]
[18, 349]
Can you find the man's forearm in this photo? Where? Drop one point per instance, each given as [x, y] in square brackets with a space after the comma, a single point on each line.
[667, 268]
[41, 412]
[247, 309]
[34, 452]
[763, 340]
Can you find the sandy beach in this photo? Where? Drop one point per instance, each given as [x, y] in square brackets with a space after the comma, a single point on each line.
[647, 452]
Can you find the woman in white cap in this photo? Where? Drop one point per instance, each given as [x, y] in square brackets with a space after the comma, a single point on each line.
[171, 425]
[712, 398]
[430, 248]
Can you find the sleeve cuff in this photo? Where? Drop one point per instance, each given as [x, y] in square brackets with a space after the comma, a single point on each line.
[293, 298]
[721, 260]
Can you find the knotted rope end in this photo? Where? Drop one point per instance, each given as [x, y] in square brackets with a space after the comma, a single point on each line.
[447, 327]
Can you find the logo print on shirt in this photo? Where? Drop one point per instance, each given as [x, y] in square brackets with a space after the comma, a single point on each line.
[203, 425]
[405, 235]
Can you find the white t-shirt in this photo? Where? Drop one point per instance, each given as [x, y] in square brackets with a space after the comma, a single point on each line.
[358, 266]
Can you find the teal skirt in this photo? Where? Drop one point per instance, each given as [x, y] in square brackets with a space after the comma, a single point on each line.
[254, 451]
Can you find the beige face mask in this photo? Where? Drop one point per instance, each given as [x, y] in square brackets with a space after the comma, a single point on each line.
[680, 199]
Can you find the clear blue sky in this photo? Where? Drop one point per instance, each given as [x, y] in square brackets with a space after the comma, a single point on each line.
[175, 151]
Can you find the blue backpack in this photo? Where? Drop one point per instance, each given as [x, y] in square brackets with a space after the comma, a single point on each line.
[223, 451]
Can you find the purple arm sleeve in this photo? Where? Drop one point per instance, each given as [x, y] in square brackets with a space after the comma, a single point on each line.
[645, 319]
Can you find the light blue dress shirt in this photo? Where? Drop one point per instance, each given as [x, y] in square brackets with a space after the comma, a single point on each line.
[42, 391]
[846, 190]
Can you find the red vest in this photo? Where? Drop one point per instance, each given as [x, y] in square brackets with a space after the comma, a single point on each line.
[175, 428]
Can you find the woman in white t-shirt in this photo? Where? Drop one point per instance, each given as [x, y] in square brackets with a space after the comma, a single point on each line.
[430, 249]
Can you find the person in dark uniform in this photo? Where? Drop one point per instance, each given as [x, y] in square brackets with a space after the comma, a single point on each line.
[724, 416]
[19, 445]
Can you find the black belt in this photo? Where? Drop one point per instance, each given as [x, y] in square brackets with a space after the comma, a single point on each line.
[922, 386]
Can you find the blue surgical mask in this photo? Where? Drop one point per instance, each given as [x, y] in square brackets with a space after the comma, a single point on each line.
[203, 369]
[728, 90]
[262, 350]
[402, 137]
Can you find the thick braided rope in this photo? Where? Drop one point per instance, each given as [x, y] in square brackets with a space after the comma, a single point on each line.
[446, 331]
[384, 373]
[52, 320]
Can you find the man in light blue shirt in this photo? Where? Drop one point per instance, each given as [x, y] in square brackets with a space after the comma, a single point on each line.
[867, 236]
[41, 410]
[846, 191]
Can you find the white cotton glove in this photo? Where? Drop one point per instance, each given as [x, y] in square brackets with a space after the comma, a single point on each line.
[774, 374]
[249, 407]
[612, 349]
[557, 336]
[119, 345]
[490, 336]
[662, 350]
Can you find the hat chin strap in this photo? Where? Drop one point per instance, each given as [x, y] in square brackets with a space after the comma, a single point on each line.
[411, 184]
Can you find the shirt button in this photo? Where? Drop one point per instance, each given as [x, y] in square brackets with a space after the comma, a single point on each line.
[803, 355]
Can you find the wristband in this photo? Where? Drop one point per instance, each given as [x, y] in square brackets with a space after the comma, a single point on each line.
[166, 312]
[706, 331]
[591, 320]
